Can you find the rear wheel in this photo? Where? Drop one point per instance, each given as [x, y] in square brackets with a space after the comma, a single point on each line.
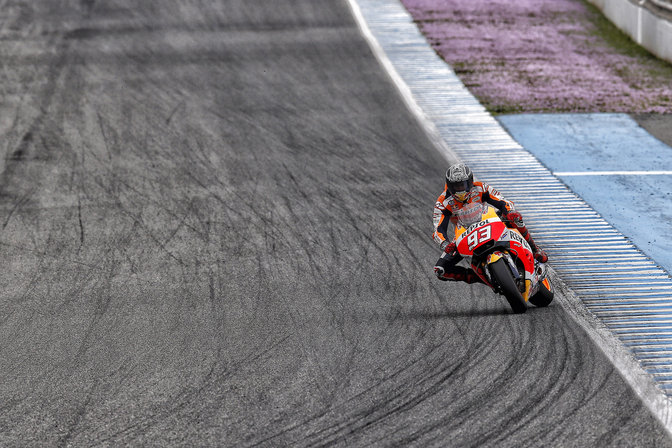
[543, 297]
[502, 275]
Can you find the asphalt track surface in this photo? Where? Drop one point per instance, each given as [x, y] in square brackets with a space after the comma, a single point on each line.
[215, 232]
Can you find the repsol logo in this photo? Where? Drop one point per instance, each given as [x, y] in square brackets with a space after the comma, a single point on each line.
[477, 225]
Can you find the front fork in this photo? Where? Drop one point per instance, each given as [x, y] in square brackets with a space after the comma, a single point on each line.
[496, 256]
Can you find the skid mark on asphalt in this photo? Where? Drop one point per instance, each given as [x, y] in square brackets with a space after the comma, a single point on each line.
[479, 139]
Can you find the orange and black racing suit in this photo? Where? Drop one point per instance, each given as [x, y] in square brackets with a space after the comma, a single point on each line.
[446, 267]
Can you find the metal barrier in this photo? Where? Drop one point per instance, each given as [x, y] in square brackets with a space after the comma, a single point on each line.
[665, 4]
[647, 22]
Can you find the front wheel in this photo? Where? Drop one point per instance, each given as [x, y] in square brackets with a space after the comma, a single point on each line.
[502, 276]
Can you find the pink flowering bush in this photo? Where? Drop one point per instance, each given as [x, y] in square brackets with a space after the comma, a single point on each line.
[544, 56]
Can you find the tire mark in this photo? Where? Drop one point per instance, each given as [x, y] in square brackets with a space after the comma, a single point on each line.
[174, 111]
[105, 138]
[18, 204]
[78, 416]
[81, 224]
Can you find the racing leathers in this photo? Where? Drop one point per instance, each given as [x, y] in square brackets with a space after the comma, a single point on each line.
[446, 205]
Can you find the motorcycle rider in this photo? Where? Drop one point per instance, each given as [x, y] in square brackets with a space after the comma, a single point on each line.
[460, 189]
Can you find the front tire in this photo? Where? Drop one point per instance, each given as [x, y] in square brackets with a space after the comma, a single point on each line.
[501, 274]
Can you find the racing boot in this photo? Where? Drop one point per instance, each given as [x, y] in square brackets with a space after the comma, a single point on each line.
[540, 255]
[458, 275]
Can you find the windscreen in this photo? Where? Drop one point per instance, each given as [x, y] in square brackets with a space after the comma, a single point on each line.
[471, 213]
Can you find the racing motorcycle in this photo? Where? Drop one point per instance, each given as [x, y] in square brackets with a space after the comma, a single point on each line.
[501, 257]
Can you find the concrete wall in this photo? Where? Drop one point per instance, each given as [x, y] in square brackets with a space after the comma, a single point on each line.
[652, 31]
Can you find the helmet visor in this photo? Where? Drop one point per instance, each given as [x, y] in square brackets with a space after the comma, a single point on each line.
[460, 187]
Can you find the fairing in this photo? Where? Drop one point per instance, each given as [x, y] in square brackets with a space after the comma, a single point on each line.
[482, 238]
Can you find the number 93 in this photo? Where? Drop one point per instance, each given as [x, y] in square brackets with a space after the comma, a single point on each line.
[478, 236]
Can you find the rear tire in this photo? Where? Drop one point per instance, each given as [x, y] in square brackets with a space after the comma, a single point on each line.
[501, 274]
[543, 297]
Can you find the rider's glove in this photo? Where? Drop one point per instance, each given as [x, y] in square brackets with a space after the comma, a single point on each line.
[448, 247]
[512, 216]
